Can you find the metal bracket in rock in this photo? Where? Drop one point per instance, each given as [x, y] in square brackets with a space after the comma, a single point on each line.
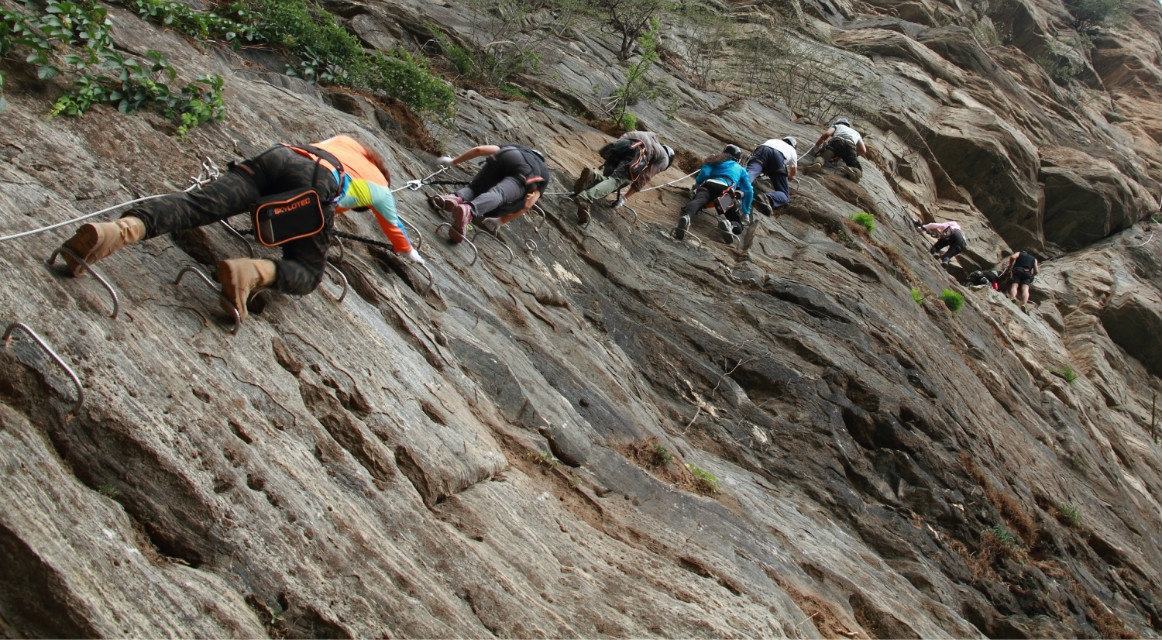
[338, 276]
[210, 283]
[96, 274]
[695, 240]
[238, 235]
[447, 226]
[44, 346]
[498, 238]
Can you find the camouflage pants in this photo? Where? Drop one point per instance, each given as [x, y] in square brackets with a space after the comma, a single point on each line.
[274, 171]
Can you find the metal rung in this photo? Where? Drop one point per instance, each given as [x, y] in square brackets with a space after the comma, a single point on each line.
[427, 271]
[341, 277]
[695, 239]
[412, 230]
[631, 210]
[342, 248]
[495, 236]
[210, 283]
[7, 340]
[87, 267]
[544, 218]
[241, 238]
[475, 252]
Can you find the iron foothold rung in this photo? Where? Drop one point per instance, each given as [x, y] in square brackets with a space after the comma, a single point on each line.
[43, 344]
[475, 251]
[210, 283]
[338, 275]
[96, 274]
[238, 235]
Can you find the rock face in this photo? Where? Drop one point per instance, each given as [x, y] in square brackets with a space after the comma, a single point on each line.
[611, 433]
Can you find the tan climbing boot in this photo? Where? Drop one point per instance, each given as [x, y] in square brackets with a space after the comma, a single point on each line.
[241, 276]
[97, 240]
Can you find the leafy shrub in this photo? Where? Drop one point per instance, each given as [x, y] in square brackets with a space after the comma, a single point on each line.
[705, 481]
[325, 51]
[917, 296]
[637, 86]
[73, 37]
[865, 220]
[627, 122]
[952, 299]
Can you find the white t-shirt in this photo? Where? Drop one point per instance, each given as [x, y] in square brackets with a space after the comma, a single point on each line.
[789, 153]
[847, 133]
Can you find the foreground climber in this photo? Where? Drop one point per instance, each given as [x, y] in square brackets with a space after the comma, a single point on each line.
[342, 172]
[1022, 266]
[838, 141]
[949, 235]
[719, 174]
[506, 187]
[632, 160]
[778, 161]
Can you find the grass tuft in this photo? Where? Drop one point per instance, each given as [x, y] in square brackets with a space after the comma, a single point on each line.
[1066, 373]
[865, 220]
[917, 295]
[952, 299]
[704, 481]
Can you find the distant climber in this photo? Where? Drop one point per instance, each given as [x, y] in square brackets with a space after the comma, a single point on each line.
[984, 278]
[506, 187]
[840, 141]
[720, 174]
[778, 160]
[344, 173]
[632, 160]
[1022, 266]
[949, 235]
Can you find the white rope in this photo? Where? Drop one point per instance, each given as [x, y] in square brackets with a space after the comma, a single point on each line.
[569, 193]
[209, 172]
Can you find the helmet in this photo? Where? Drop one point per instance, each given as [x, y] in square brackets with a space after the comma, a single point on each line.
[669, 155]
[791, 141]
[734, 151]
[843, 120]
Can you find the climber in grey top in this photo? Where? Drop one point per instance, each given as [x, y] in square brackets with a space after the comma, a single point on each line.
[839, 141]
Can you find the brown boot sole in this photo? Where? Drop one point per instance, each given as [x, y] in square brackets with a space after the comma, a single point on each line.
[82, 244]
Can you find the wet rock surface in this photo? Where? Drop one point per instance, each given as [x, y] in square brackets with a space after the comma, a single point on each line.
[517, 450]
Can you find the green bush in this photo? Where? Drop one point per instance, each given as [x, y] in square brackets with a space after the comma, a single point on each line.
[324, 50]
[865, 220]
[917, 296]
[1070, 515]
[704, 480]
[952, 299]
[73, 38]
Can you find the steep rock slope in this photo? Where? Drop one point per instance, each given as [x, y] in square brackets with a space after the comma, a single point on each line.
[506, 452]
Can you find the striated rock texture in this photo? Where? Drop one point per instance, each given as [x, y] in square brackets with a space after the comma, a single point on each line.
[506, 454]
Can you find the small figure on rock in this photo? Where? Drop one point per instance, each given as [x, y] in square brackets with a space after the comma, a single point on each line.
[506, 187]
[314, 180]
[839, 141]
[949, 236]
[1022, 266]
[719, 183]
[778, 161]
[632, 160]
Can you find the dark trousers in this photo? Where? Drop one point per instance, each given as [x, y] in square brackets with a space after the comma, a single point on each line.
[771, 163]
[501, 184]
[703, 196]
[844, 149]
[272, 172]
[956, 243]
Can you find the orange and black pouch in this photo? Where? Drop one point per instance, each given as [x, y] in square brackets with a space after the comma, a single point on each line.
[287, 216]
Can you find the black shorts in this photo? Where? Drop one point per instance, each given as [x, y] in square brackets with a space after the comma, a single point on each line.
[1023, 276]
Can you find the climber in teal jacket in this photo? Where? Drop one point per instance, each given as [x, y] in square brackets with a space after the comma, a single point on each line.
[718, 174]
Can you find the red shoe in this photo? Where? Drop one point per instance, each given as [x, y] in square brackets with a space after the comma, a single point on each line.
[461, 216]
[450, 202]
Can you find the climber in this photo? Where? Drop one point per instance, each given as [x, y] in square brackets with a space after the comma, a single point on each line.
[631, 160]
[778, 160]
[506, 187]
[719, 174]
[950, 235]
[1022, 266]
[838, 141]
[341, 173]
